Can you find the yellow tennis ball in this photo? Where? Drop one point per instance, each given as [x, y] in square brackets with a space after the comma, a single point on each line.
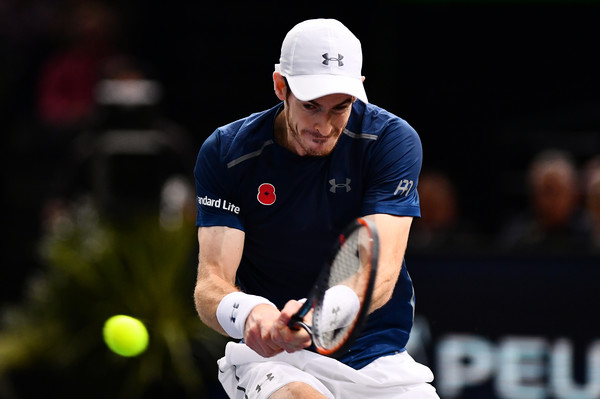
[125, 335]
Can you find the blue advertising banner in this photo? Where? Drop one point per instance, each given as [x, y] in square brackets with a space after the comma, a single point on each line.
[508, 328]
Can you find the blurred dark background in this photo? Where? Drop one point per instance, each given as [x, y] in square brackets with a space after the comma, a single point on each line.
[489, 86]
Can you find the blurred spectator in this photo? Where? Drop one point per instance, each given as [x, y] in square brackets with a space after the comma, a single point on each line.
[67, 79]
[554, 221]
[129, 157]
[591, 192]
[440, 226]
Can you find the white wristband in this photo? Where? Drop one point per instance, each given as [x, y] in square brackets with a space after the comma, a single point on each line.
[340, 307]
[233, 310]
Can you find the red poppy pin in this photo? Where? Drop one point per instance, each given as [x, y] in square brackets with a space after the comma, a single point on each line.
[266, 194]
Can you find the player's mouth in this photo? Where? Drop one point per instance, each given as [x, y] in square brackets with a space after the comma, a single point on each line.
[317, 137]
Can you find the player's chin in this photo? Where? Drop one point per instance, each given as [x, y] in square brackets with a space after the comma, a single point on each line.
[320, 149]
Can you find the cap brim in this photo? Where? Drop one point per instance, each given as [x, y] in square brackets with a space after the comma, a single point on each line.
[309, 87]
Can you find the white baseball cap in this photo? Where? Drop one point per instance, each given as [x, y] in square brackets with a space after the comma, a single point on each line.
[321, 57]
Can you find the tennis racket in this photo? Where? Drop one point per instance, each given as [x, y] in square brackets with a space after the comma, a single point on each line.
[341, 296]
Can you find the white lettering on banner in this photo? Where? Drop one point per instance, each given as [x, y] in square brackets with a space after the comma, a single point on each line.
[463, 361]
[563, 384]
[219, 203]
[520, 367]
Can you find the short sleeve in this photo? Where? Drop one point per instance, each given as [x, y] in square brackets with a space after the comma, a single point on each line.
[393, 173]
[214, 190]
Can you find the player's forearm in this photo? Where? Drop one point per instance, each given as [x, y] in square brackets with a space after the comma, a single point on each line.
[218, 259]
[384, 286]
[393, 235]
[208, 293]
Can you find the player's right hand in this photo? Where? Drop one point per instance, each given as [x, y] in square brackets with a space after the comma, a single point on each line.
[258, 329]
[291, 340]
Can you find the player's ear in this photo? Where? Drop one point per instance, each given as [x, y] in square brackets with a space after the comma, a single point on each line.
[279, 86]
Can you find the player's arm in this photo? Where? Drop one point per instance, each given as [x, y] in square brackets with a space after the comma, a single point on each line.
[219, 258]
[393, 238]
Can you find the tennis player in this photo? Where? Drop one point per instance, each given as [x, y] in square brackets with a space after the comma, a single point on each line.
[274, 190]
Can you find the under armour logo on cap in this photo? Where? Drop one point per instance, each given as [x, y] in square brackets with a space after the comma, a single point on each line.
[338, 59]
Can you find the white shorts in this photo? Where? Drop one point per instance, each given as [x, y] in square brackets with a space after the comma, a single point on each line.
[245, 374]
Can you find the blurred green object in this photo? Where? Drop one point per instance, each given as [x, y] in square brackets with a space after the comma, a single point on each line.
[52, 341]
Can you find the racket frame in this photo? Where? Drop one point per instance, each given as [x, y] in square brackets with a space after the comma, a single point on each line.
[318, 292]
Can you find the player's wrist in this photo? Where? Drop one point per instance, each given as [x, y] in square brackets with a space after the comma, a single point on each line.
[233, 310]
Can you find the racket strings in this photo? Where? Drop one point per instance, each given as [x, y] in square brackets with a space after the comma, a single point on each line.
[336, 314]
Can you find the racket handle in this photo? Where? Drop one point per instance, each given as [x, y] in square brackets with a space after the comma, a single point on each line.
[298, 317]
[296, 322]
[300, 324]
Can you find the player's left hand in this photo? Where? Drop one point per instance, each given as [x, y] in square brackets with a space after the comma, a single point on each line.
[288, 339]
[258, 328]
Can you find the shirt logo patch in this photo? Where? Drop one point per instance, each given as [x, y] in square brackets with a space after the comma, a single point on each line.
[335, 186]
[266, 194]
[404, 187]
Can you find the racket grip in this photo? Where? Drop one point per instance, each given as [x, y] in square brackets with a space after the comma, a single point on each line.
[296, 322]
[297, 325]
[298, 318]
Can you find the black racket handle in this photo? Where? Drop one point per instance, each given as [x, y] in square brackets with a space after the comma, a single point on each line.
[300, 324]
[298, 317]
[296, 322]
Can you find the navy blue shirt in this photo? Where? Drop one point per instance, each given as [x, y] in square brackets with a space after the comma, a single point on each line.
[292, 208]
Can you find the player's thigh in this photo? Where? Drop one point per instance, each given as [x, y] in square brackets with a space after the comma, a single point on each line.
[298, 390]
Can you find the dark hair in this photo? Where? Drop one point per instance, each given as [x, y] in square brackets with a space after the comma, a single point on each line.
[287, 86]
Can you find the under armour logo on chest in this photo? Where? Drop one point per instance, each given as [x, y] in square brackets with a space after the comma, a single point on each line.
[335, 186]
[328, 58]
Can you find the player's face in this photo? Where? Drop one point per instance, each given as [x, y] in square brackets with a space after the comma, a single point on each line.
[314, 127]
